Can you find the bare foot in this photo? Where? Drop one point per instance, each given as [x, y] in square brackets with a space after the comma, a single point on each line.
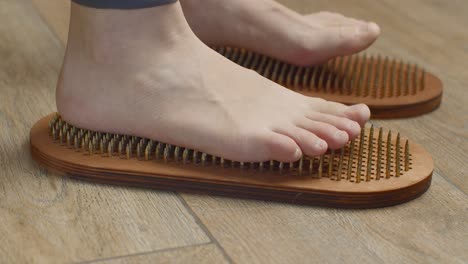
[143, 72]
[272, 29]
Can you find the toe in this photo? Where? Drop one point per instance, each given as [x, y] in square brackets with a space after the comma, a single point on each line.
[334, 137]
[366, 34]
[361, 36]
[352, 128]
[345, 39]
[318, 37]
[359, 113]
[373, 29]
[309, 143]
[282, 148]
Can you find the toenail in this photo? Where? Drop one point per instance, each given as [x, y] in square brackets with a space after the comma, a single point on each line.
[340, 134]
[297, 153]
[357, 108]
[364, 111]
[373, 27]
[354, 126]
[320, 144]
[350, 110]
[363, 29]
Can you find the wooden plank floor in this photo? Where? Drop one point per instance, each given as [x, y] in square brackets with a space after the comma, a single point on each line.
[46, 218]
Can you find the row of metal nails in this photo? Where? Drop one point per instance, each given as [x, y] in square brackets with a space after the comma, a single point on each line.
[359, 160]
[356, 75]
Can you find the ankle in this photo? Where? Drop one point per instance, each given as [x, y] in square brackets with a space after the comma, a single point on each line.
[104, 35]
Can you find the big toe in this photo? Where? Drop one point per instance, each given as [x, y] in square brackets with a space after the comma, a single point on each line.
[368, 33]
[321, 44]
[346, 39]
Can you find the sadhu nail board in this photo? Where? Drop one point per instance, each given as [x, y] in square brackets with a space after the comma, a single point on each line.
[379, 168]
[391, 88]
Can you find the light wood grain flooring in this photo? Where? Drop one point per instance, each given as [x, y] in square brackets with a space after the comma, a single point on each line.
[45, 218]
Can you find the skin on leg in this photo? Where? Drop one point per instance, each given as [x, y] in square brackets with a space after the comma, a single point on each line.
[143, 72]
[272, 29]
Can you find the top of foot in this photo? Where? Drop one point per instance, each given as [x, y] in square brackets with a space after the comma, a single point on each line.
[272, 29]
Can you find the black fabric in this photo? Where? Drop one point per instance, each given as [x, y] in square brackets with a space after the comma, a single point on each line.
[122, 4]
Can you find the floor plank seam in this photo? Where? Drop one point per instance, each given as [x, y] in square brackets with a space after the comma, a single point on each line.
[204, 228]
[143, 253]
[450, 182]
[46, 23]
